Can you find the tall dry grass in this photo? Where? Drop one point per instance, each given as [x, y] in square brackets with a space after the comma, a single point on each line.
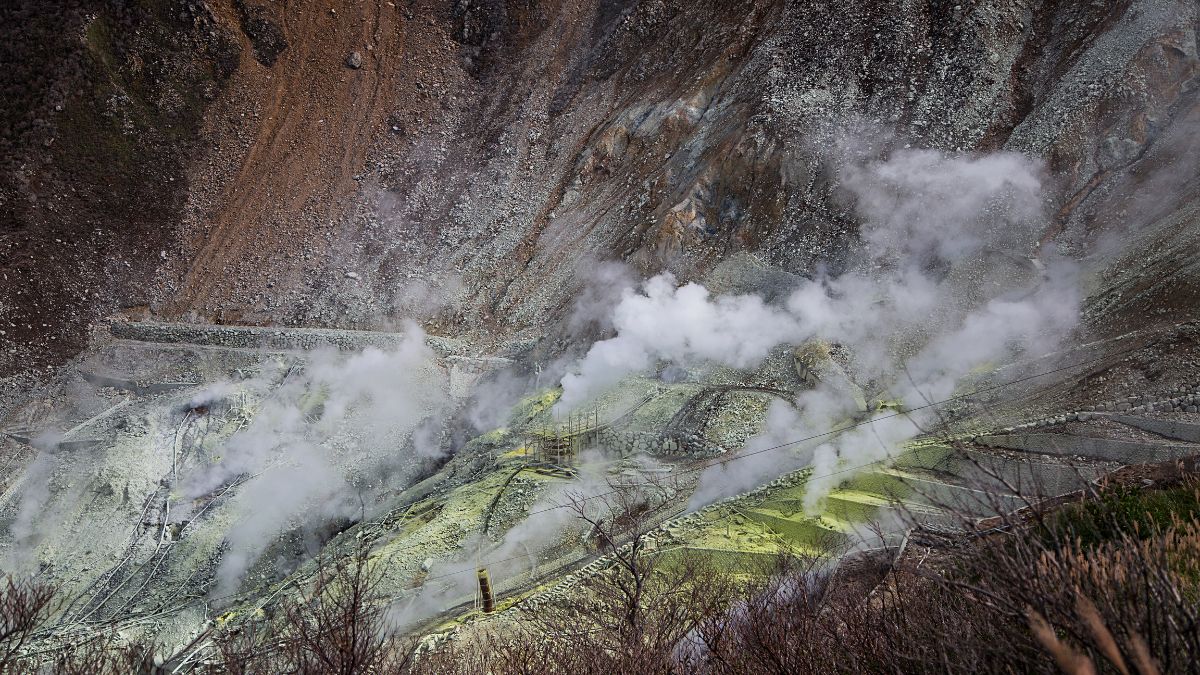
[1042, 595]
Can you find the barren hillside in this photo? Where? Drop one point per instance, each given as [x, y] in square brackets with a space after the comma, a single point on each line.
[483, 153]
[290, 281]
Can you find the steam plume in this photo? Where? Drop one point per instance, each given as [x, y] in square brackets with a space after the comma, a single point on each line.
[923, 308]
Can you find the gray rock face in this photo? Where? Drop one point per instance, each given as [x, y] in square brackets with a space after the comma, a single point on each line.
[1097, 448]
[1183, 431]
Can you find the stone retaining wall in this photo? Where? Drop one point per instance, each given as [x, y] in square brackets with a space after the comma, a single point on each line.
[1180, 400]
[265, 337]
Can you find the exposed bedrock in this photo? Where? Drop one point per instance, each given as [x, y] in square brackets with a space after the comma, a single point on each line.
[484, 155]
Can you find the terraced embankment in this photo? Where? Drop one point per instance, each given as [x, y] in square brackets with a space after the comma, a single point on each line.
[156, 402]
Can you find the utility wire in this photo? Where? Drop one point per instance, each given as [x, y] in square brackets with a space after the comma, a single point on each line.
[726, 460]
[605, 494]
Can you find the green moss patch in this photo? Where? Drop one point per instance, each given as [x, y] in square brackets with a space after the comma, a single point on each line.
[1125, 511]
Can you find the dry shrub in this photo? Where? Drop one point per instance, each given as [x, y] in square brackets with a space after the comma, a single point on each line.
[1013, 601]
[24, 606]
[598, 628]
[637, 615]
[338, 627]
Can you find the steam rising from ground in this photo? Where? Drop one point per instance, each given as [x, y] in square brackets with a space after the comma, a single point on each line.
[31, 509]
[682, 324]
[318, 443]
[552, 521]
[300, 447]
[923, 307]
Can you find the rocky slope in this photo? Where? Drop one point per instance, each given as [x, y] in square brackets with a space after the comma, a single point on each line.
[102, 116]
[229, 164]
[315, 169]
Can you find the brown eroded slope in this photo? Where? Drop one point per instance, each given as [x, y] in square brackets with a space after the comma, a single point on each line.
[316, 118]
[487, 153]
[500, 148]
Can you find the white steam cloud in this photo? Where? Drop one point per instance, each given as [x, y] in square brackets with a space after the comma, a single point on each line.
[317, 444]
[941, 288]
[679, 324]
